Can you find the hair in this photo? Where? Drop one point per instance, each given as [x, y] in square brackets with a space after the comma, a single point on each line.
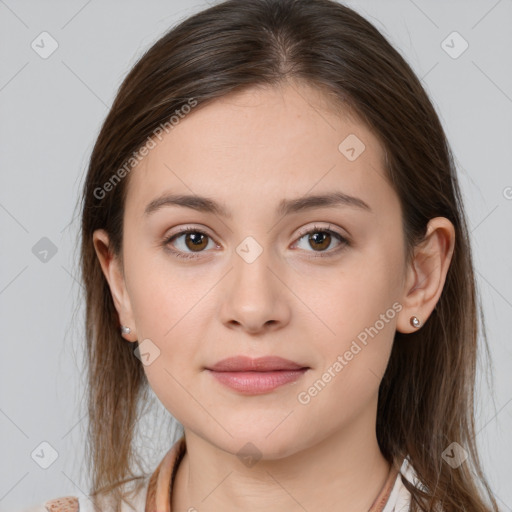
[426, 397]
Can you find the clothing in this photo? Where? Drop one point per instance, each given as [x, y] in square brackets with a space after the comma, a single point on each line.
[155, 494]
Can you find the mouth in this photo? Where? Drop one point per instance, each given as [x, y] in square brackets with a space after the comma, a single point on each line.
[256, 376]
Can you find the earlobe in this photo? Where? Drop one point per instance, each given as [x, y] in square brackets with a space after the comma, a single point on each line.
[426, 275]
[113, 273]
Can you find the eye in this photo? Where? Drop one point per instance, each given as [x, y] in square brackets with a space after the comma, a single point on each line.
[319, 239]
[192, 239]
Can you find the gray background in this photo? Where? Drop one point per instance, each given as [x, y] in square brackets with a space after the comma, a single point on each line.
[51, 111]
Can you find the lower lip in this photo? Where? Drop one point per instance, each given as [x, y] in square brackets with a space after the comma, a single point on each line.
[255, 383]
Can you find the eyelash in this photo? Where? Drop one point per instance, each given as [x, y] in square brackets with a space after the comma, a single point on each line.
[316, 229]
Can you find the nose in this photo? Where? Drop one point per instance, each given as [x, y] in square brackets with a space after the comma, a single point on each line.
[256, 300]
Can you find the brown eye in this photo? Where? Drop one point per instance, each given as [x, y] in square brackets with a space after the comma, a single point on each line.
[320, 239]
[188, 241]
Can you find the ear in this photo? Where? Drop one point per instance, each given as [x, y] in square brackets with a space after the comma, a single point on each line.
[113, 272]
[426, 274]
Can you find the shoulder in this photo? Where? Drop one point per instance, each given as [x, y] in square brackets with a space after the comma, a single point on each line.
[137, 502]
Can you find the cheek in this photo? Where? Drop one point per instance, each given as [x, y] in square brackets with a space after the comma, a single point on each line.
[356, 299]
[173, 325]
[172, 309]
[360, 309]
[163, 296]
[353, 361]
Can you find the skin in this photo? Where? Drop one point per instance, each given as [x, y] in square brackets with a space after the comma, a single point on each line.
[249, 151]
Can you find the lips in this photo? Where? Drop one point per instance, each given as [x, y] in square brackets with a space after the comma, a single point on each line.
[260, 364]
[256, 376]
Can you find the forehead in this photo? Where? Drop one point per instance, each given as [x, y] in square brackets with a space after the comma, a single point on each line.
[260, 145]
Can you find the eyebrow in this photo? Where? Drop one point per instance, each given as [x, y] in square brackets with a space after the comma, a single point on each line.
[285, 207]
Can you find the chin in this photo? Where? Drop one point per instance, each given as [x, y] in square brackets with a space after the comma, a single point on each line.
[248, 441]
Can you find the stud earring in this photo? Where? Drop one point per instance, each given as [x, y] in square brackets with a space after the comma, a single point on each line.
[125, 330]
[415, 322]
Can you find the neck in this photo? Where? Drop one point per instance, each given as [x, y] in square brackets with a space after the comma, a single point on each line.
[345, 470]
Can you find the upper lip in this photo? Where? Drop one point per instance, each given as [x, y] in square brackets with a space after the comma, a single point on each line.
[261, 364]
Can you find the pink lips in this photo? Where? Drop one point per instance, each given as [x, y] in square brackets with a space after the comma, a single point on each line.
[256, 376]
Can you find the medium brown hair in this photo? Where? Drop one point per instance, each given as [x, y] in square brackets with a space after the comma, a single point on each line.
[426, 397]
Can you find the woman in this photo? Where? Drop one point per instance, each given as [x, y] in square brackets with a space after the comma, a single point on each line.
[273, 240]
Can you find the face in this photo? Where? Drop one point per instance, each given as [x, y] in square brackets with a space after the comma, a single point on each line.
[317, 283]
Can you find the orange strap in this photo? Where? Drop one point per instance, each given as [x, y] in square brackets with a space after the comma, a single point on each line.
[381, 500]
